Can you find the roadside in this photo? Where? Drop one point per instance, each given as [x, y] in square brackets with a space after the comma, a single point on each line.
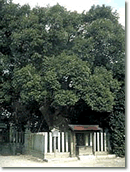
[30, 161]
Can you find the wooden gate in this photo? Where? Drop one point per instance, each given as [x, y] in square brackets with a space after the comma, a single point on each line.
[16, 140]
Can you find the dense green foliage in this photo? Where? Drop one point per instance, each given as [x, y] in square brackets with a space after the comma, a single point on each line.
[66, 62]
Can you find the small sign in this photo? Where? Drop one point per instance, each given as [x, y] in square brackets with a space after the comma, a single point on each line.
[54, 132]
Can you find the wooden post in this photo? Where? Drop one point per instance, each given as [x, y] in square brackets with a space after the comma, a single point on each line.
[71, 144]
[11, 133]
[93, 143]
[16, 137]
[74, 149]
[21, 137]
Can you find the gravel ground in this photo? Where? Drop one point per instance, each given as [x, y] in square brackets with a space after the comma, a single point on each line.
[29, 161]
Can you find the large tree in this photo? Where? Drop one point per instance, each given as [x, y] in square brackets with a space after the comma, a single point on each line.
[63, 82]
[61, 64]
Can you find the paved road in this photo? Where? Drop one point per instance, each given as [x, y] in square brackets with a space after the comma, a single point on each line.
[29, 161]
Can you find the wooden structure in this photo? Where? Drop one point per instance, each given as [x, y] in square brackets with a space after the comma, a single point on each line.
[87, 139]
[4, 132]
[78, 140]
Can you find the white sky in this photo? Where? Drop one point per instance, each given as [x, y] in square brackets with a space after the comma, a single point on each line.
[79, 5]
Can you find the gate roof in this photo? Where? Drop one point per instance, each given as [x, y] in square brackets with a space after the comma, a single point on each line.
[85, 127]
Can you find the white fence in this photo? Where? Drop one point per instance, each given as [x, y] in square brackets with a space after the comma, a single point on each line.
[101, 141]
[45, 144]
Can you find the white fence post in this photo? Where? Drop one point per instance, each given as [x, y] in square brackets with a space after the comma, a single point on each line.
[101, 141]
[66, 142]
[62, 141]
[90, 139]
[86, 139]
[94, 142]
[59, 141]
[105, 146]
[97, 141]
[54, 145]
[50, 142]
